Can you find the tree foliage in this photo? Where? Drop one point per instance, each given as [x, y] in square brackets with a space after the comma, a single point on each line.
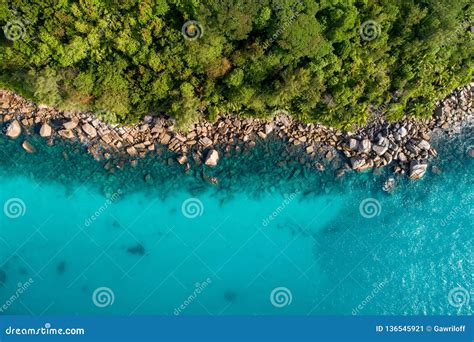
[253, 57]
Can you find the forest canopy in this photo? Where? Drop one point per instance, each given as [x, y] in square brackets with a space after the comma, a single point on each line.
[329, 61]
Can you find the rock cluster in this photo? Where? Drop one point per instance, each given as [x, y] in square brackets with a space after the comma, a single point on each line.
[404, 144]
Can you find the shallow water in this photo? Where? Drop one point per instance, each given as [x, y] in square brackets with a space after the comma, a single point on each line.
[77, 239]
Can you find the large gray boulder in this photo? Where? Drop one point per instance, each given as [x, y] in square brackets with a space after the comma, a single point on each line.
[364, 146]
[424, 145]
[417, 169]
[353, 144]
[380, 149]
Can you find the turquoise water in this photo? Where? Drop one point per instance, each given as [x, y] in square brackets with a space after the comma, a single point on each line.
[77, 239]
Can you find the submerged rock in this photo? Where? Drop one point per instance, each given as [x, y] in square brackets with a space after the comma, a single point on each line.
[320, 167]
[340, 172]
[389, 184]
[148, 179]
[436, 170]
[357, 163]
[138, 249]
[61, 267]
[470, 152]
[210, 179]
[230, 296]
[28, 147]
[361, 164]
[182, 159]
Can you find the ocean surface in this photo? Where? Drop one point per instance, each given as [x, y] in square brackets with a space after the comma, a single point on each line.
[268, 239]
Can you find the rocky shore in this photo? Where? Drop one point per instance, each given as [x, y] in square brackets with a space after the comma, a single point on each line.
[403, 145]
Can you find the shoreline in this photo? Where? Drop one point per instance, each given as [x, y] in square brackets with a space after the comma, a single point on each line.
[403, 144]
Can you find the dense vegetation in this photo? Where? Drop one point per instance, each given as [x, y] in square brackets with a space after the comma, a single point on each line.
[327, 61]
